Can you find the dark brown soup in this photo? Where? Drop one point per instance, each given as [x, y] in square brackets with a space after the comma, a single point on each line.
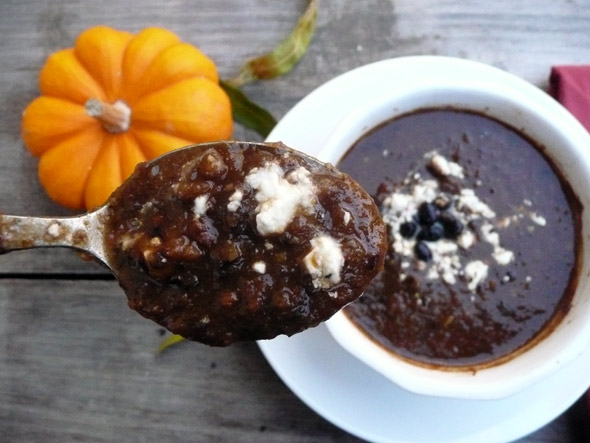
[483, 238]
[236, 241]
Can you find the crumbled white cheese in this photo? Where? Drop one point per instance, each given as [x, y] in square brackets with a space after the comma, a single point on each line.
[538, 219]
[201, 205]
[398, 202]
[448, 259]
[259, 267]
[445, 261]
[475, 272]
[488, 234]
[432, 274]
[346, 218]
[401, 207]
[443, 247]
[444, 166]
[466, 239]
[468, 200]
[235, 200]
[324, 262]
[448, 270]
[501, 255]
[279, 196]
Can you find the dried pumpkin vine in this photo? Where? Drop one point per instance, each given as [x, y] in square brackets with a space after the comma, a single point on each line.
[116, 99]
[276, 63]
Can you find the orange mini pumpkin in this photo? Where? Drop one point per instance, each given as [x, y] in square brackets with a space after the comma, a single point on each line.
[116, 99]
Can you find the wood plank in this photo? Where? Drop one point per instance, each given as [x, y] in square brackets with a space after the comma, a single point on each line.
[77, 364]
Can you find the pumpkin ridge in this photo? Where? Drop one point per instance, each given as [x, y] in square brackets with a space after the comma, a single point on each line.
[166, 86]
[175, 63]
[105, 175]
[155, 143]
[139, 56]
[131, 134]
[130, 154]
[87, 178]
[94, 77]
[60, 138]
[48, 119]
[64, 188]
[195, 109]
[100, 50]
[64, 77]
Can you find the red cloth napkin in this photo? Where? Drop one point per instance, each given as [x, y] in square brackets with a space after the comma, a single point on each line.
[570, 85]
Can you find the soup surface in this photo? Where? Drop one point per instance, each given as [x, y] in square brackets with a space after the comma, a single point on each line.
[483, 238]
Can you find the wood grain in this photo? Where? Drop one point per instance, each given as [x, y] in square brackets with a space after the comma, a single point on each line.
[78, 365]
[75, 363]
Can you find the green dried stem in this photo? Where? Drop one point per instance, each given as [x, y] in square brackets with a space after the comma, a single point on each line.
[285, 56]
[248, 113]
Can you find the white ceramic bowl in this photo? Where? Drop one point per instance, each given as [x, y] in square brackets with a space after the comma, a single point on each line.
[441, 81]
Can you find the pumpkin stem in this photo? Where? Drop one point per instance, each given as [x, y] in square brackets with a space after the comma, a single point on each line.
[114, 117]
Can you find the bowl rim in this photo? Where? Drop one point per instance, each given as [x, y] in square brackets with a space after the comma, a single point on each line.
[537, 109]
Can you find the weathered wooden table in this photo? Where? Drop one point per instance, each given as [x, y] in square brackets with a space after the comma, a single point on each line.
[75, 363]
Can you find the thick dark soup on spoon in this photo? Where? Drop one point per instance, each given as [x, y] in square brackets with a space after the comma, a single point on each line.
[232, 241]
[484, 238]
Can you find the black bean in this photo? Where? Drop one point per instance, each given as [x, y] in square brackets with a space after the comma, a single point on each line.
[452, 226]
[422, 251]
[428, 213]
[408, 229]
[434, 232]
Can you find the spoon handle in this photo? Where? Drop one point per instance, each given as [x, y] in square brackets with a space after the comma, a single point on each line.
[81, 232]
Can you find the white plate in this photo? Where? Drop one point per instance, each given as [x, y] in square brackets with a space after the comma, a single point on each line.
[350, 394]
